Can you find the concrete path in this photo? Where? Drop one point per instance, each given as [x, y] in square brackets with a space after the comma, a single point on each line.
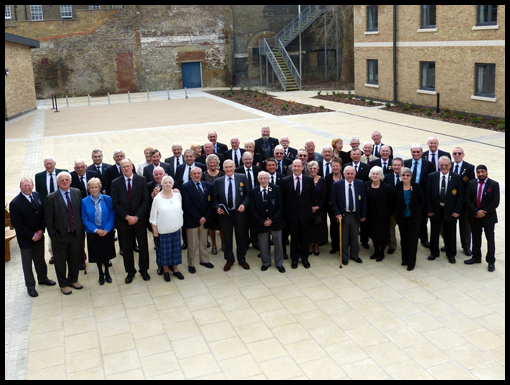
[366, 321]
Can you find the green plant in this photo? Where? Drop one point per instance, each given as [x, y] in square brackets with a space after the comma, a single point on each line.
[349, 97]
[491, 122]
[476, 119]
[307, 107]
[446, 115]
[319, 93]
[284, 106]
[501, 126]
[362, 99]
[321, 107]
[406, 107]
[388, 105]
[370, 102]
[459, 116]
[416, 110]
[428, 112]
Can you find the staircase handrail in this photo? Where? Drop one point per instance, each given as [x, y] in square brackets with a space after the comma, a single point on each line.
[264, 47]
[301, 22]
[290, 64]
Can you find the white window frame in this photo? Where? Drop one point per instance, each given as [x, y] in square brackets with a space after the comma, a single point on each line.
[66, 11]
[8, 14]
[36, 13]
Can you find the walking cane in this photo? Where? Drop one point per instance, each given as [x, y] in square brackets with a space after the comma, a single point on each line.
[340, 232]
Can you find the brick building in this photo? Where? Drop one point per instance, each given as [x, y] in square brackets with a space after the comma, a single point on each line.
[457, 51]
[19, 76]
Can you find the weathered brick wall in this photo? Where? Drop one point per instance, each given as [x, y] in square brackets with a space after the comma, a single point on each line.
[19, 84]
[455, 65]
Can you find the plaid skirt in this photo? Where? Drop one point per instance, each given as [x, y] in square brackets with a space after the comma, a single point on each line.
[170, 252]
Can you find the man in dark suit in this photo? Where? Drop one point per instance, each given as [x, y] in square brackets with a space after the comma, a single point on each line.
[218, 148]
[290, 152]
[467, 172]
[46, 181]
[298, 191]
[385, 159]
[362, 169]
[444, 199]
[156, 162]
[421, 168]
[27, 218]
[113, 172]
[80, 177]
[267, 212]
[283, 163]
[348, 200]
[62, 216]
[176, 160]
[274, 176]
[208, 149]
[130, 199]
[433, 153]
[265, 145]
[197, 207]
[235, 153]
[482, 199]
[231, 199]
[376, 151]
[183, 172]
[97, 163]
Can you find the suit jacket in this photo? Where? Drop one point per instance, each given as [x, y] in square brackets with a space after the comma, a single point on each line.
[201, 159]
[338, 199]
[378, 155]
[255, 171]
[440, 153]
[291, 153]
[149, 169]
[138, 206]
[467, 172]
[104, 167]
[417, 205]
[389, 179]
[286, 163]
[171, 163]
[363, 171]
[40, 183]
[298, 208]
[277, 178]
[27, 219]
[88, 214]
[75, 181]
[56, 215]
[271, 208]
[221, 148]
[179, 173]
[242, 198]
[195, 207]
[426, 168]
[454, 199]
[489, 202]
[110, 175]
[259, 147]
[379, 161]
[230, 155]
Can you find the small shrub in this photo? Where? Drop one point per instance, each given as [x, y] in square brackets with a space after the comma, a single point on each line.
[491, 122]
[388, 105]
[321, 107]
[370, 102]
[446, 115]
[349, 97]
[406, 107]
[307, 107]
[319, 93]
[262, 103]
[459, 116]
[476, 119]
[428, 112]
[363, 99]
[416, 111]
[501, 126]
[229, 94]
[284, 106]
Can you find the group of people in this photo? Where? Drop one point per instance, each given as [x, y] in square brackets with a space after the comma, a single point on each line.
[261, 194]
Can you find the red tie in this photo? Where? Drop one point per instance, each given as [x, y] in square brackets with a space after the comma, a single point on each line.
[479, 197]
[72, 223]
[129, 188]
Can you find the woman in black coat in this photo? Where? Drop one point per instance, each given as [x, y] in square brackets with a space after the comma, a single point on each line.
[380, 207]
[410, 203]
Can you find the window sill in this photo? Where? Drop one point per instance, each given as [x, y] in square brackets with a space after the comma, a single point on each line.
[426, 92]
[371, 32]
[484, 99]
[427, 30]
[483, 27]
[371, 85]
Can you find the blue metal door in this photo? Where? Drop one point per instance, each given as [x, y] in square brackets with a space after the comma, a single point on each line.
[191, 75]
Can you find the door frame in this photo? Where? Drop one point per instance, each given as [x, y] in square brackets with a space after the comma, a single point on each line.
[201, 77]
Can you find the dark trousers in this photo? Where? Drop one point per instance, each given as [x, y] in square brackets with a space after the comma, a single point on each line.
[126, 242]
[67, 257]
[299, 240]
[449, 235]
[408, 241]
[350, 231]
[34, 254]
[465, 230]
[334, 231]
[241, 233]
[476, 231]
[423, 228]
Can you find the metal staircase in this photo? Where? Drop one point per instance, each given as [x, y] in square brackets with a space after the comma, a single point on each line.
[277, 55]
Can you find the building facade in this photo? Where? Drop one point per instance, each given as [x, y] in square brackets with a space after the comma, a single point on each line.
[412, 53]
[19, 76]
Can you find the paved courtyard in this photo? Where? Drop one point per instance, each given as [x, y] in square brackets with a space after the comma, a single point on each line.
[365, 321]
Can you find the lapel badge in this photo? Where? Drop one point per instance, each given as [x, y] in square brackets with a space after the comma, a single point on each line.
[454, 192]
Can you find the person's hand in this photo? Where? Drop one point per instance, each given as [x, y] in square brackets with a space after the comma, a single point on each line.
[268, 222]
[202, 220]
[241, 209]
[481, 213]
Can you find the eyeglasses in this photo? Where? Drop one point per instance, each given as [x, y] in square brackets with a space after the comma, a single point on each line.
[444, 165]
[457, 153]
[406, 175]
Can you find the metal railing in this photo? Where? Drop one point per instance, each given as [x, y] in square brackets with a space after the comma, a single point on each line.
[290, 64]
[300, 23]
[265, 49]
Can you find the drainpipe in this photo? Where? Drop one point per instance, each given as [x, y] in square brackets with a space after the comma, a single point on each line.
[394, 54]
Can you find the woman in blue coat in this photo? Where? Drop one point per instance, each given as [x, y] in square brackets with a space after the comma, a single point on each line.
[98, 219]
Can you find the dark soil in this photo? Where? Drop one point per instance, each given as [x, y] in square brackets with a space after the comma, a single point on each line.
[267, 103]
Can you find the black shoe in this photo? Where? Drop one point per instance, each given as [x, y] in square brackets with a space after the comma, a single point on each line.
[281, 269]
[208, 244]
[380, 259]
[264, 268]
[432, 257]
[160, 270]
[333, 251]
[357, 259]
[209, 265]
[129, 278]
[48, 282]
[425, 244]
[294, 264]
[81, 265]
[110, 264]
[101, 280]
[365, 245]
[166, 277]
[491, 267]
[178, 275]
[184, 246]
[136, 248]
[120, 252]
[452, 260]
[443, 249]
[285, 256]
[306, 265]
[345, 261]
[391, 251]
[145, 276]
[472, 261]
[409, 268]
[316, 252]
[467, 252]
[107, 278]
[373, 256]
[192, 269]
[32, 292]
